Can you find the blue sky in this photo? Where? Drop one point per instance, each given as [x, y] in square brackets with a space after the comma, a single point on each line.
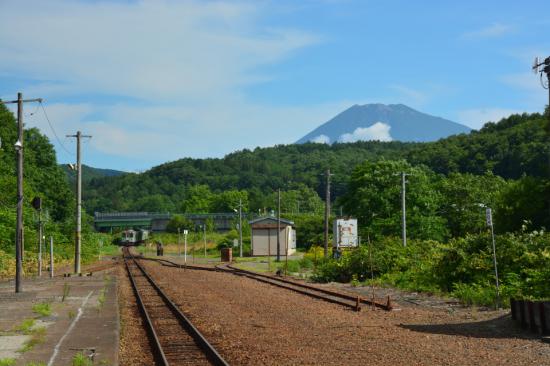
[155, 81]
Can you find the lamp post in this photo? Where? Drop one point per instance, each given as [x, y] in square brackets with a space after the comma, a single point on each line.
[489, 220]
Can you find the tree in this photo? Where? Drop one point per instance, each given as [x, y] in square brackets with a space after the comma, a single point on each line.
[374, 197]
[198, 199]
[179, 223]
[464, 198]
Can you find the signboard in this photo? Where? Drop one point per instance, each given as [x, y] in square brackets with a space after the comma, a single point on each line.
[489, 217]
[235, 243]
[185, 232]
[345, 233]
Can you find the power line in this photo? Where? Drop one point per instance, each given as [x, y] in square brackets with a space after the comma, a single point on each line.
[55, 133]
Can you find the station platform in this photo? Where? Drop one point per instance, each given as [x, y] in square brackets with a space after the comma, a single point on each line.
[55, 321]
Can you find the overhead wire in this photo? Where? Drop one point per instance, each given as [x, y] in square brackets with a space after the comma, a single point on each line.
[53, 130]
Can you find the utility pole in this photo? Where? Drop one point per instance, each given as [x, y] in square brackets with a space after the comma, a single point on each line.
[179, 243]
[78, 237]
[51, 256]
[543, 67]
[19, 243]
[327, 211]
[404, 208]
[39, 243]
[205, 240]
[279, 225]
[240, 227]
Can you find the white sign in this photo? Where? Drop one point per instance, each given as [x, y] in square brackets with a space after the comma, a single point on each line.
[235, 242]
[345, 233]
[185, 232]
[489, 217]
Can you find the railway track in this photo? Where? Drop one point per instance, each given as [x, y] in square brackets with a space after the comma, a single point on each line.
[174, 339]
[339, 298]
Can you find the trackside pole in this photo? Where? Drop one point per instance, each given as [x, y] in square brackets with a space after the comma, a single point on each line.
[51, 256]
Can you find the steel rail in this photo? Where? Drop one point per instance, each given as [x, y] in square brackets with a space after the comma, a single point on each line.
[213, 356]
[325, 291]
[324, 297]
[159, 354]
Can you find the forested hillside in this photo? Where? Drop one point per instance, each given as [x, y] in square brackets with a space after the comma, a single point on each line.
[511, 148]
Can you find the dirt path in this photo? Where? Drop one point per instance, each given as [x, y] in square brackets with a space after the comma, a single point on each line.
[256, 324]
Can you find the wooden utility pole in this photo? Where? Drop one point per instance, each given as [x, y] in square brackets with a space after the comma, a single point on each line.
[240, 227]
[78, 231]
[279, 225]
[19, 243]
[327, 211]
[404, 208]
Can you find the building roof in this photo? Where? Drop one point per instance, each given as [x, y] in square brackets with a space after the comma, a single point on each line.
[271, 219]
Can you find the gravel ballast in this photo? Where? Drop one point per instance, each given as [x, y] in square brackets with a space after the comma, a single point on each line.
[251, 323]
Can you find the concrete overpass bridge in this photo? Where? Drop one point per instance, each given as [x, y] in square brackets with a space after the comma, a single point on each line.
[113, 221]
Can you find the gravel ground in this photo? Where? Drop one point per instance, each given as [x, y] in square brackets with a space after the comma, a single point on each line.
[252, 323]
[134, 344]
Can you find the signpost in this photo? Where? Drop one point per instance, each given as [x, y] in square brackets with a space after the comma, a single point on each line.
[489, 219]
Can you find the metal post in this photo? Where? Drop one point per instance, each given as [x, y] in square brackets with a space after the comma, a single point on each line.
[327, 212]
[39, 244]
[205, 240]
[496, 267]
[51, 256]
[19, 226]
[403, 208]
[495, 264]
[179, 243]
[278, 225]
[240, 228]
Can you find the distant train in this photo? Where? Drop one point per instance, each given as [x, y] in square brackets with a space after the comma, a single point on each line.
[134, 237]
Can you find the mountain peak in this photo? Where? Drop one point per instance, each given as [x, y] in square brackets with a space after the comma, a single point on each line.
[383, 122]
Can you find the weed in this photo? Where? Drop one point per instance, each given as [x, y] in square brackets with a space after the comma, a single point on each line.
[42, 309]
[26, 326]
[101, 298]
[35, 364]
[71, 314]
[38, 337]
[66, 290]
[80, 359]
[354, 281]
[7, 362]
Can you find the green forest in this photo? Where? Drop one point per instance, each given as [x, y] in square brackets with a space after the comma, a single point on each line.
[43, 178]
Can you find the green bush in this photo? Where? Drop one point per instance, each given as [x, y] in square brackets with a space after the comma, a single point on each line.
[463, 267]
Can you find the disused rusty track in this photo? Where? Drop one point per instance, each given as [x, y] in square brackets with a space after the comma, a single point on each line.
[311, 292]
[330, 293]
[346, 300]
[175, 339]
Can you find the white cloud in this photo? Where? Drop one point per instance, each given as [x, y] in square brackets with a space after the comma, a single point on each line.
[379, 131]
[321, 139]
[492, 31]
[146, 49]
[170, 75]
[476, 118]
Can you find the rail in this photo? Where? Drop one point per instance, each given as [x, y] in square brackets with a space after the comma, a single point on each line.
[177, 351]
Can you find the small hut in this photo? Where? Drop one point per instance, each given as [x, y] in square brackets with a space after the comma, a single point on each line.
[264, 236]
